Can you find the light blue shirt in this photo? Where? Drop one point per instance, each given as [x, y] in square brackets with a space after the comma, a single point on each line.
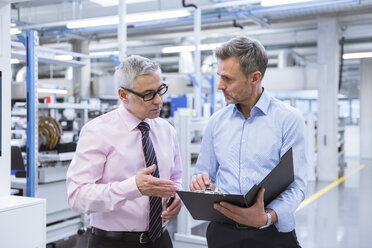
[238, 152]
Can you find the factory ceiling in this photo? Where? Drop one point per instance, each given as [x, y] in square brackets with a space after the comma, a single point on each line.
[290, 27]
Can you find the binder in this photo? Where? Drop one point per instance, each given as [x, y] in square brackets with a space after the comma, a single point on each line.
[200, 203]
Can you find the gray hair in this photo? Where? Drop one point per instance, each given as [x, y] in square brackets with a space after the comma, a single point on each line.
[133, 66]
[251, 54]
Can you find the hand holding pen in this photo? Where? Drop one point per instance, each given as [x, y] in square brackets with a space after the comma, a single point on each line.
[202, 182]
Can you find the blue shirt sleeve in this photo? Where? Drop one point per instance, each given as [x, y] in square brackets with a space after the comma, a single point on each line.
[294, 135]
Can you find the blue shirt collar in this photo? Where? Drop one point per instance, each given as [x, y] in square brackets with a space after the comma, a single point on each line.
[264, 102]
[262, 105]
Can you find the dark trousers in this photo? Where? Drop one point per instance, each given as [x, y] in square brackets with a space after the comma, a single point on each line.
[163, 241]
[221, 235]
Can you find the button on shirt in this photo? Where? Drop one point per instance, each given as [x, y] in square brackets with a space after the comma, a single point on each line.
[238, 152]
[101, 176]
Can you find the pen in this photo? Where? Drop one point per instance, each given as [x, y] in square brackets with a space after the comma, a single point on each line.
[206, 187]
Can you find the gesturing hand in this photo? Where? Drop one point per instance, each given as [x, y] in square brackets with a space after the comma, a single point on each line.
[153, 186]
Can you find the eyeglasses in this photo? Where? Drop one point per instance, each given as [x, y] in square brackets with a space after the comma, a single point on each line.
[149, 96]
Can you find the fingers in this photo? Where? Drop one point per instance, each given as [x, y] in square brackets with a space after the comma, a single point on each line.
[155, 180]
[233, 209]
[192, 187]
[260, 197]
[200, 181]
[162, 187]
[153, 186]
[148, 170]
[174, 205]
[161, 182]
[225, 209]
[252, 216]
[172, 211]
[205, 179]
[165, 191]
[159, 192]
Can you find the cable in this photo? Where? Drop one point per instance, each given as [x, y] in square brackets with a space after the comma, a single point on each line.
[237, 25]
[188, 5]
[52, 131]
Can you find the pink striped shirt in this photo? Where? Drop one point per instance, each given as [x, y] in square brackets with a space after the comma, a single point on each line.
[101, 176]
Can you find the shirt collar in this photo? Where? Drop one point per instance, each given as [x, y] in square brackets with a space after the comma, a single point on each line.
[262, 104]
[129, 119]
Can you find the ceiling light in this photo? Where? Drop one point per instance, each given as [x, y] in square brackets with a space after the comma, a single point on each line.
[93, 22]
[103, 54]
[157, 15]
[267, 3]
[107, 3]
[14, 31]
[131, 18]
[361, 55]
[52, 91]
[189, 48]
[64, 57]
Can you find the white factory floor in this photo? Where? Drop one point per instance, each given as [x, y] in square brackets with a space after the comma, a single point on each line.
[339, 216]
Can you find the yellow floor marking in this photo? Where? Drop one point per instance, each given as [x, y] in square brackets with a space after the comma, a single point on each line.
[327, 188]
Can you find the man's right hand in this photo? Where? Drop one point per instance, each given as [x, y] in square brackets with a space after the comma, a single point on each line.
[201, 181]
[153, 186]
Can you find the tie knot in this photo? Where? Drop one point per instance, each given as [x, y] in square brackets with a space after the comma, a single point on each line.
[144, 127]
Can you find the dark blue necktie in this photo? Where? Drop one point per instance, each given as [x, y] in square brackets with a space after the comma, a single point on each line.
[155, 225]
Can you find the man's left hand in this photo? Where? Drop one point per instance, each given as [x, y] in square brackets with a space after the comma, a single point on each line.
[172, 211]
[254, 216]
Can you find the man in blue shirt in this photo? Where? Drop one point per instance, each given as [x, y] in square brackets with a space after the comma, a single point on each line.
[242, 143]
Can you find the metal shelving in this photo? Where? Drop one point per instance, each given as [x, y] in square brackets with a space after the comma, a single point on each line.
[49, 182]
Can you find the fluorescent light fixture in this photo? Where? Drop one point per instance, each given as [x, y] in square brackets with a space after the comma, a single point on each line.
[13, 24]
[93, 22]
[52, 91]
[103, 54]
[190, 48]
[155, 16]
[267, 3]
[178, 49]
[64, 57]
[107, 3]
[14, 31]
[361, 55]
[14, 61]
[131, 18]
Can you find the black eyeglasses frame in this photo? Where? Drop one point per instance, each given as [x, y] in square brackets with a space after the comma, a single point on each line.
[158, 92]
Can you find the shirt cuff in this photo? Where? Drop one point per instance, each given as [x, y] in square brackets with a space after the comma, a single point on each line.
[128, 188]
[286, 221]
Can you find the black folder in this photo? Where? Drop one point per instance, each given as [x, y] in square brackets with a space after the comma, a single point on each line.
[200, 204]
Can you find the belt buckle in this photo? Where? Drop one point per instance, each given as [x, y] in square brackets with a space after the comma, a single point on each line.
[141, 238]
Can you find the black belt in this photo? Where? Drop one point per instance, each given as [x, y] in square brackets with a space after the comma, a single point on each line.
[138, 237]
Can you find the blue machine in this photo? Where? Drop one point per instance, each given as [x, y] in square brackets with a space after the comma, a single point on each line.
[178, 102]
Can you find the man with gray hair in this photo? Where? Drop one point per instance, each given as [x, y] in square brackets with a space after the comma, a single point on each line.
[242, 143]
[127, 165]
